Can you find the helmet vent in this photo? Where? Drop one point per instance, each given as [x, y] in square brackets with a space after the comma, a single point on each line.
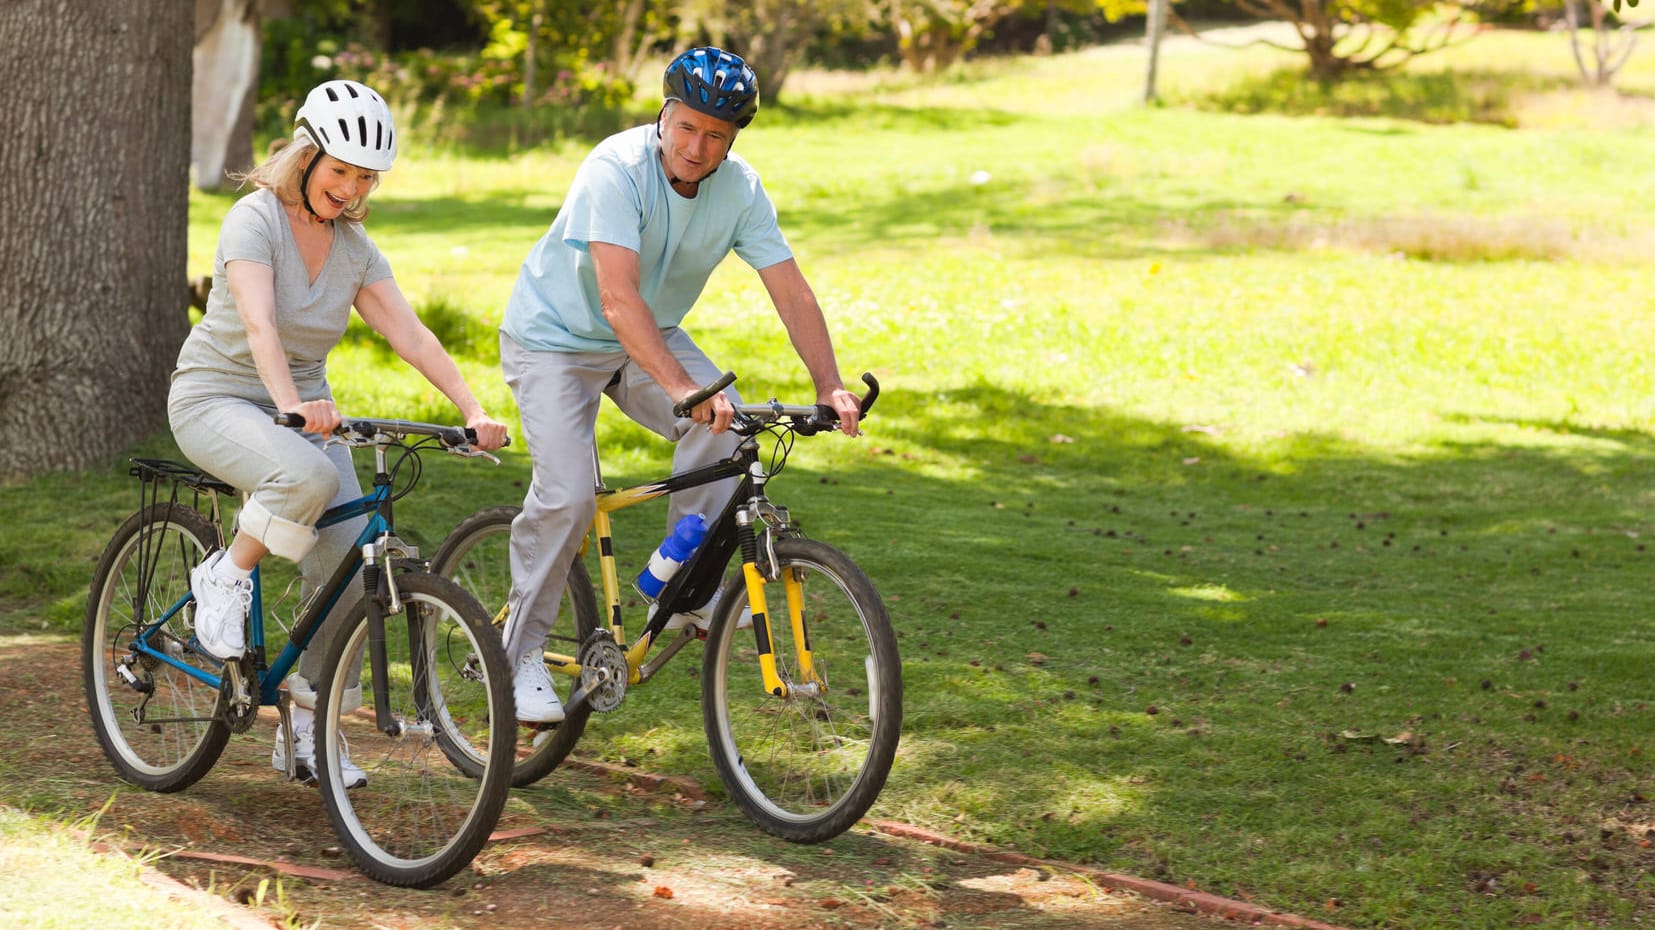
[362, 129]
[351, 90]
[379, 135]
[344, 130]
[333, 95]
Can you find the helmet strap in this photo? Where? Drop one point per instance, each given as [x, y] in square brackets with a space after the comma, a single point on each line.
[304, 183]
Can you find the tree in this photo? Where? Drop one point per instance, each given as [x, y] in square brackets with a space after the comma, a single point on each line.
[769, 34]
[1611, 45]
[94, 176]
[224, 89]
[1342, 37]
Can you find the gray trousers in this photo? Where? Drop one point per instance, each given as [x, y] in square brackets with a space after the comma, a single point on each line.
[287, 480]
[558, 395]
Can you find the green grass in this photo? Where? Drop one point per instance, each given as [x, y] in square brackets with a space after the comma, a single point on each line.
[52, 878]
[1262, 500]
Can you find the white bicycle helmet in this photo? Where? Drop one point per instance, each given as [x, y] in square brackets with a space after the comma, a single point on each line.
[349, 121]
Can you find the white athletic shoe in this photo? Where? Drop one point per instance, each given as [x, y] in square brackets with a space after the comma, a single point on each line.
[531, 686]
[220, 609]
[304, 752]
[702, 617]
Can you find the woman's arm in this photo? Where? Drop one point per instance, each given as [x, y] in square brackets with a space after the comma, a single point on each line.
[383, 307]
[253, 287]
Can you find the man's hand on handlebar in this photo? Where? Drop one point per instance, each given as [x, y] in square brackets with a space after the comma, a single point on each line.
[848, 408]
[491, 433]
[715, 412]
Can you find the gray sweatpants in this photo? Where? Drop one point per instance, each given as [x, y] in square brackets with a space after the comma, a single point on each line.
[287, 480]
[558, 395]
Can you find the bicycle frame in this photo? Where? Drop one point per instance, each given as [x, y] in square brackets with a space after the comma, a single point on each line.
[695, 582]
[376, 505]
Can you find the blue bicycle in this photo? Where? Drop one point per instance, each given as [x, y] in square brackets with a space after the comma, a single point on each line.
[436, 727]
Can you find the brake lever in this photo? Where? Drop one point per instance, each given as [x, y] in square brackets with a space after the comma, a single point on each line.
[470, 453]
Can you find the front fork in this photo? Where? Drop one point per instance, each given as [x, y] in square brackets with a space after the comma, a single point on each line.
[379, 604]
[809, 684]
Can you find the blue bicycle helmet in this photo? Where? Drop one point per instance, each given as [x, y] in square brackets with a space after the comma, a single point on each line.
[715, 82]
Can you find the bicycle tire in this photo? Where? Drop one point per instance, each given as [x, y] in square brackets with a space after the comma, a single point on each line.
[183, 733]
[420, 818]
[476, 555]
[805, 767]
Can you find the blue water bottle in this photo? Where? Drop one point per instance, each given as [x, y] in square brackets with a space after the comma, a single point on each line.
[673, 552]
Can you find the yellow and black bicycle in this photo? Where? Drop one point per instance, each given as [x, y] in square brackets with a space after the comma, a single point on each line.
[803, 709]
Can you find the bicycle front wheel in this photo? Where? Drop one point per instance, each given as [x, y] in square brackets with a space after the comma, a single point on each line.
[805, 766]
[477, 555]
[420, 818]
[158, 724]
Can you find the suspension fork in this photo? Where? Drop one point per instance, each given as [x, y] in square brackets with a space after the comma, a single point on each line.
[760, 607]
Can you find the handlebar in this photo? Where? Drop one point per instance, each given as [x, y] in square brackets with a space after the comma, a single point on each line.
[683, 407]
[805, 419]
[366, 428]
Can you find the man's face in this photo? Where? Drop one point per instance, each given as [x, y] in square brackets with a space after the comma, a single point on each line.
[693, 144]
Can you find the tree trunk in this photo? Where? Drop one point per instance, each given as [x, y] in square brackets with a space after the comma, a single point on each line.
[94, 176]
[1155, 26]
[224, 90]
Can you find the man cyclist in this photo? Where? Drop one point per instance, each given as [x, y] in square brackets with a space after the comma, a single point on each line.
[596, 310]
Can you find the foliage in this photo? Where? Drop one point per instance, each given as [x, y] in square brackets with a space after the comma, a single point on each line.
[933, 34]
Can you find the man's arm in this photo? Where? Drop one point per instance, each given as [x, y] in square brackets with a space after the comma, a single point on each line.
[807, 330]
[617, 271]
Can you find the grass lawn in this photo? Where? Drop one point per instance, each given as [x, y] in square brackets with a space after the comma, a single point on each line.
[1263, 500]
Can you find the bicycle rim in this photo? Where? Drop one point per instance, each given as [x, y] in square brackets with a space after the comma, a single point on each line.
[477, 556]
[170, 740]
[421, 817]
[806, 766]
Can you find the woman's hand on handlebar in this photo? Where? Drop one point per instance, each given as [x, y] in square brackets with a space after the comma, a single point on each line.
[491, 433]
[320, 416]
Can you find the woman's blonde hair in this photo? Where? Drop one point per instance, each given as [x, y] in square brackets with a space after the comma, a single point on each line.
[282, 172]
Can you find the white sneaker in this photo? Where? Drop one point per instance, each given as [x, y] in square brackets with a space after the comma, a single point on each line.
[702, 617]
[220, 609]
[531, 686]
[304, 752]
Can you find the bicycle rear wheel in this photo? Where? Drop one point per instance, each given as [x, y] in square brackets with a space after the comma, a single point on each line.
[420, 818]
[477, 555]
[161, 728]
[807, 766]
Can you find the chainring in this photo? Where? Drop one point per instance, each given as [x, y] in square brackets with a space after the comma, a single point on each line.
[603, 671]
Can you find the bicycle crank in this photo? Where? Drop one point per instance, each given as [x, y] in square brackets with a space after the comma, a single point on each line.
[603, 672]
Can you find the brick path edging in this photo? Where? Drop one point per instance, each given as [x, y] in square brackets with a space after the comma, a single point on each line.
[1199, 901]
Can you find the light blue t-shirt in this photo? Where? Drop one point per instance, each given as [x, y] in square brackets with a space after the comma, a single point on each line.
[621, 196]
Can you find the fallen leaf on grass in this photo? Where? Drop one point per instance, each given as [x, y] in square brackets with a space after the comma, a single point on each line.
[662, 891]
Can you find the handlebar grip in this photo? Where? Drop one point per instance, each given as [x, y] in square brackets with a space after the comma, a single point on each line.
[294, 420]
[866, 403]
[683, 407]
[471, 438]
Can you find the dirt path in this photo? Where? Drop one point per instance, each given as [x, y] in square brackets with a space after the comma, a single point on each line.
[589, 847]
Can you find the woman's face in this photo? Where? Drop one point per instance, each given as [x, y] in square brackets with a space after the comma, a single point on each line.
[693, 144]
[334, 185]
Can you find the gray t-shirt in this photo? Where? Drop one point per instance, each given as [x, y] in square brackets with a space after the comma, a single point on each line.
[310, 318]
